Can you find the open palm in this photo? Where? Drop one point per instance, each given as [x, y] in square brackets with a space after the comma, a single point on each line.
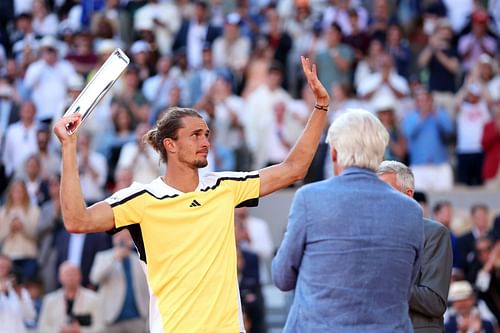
[319, 91]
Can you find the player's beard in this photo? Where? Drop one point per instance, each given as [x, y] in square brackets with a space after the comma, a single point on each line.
[200, 163]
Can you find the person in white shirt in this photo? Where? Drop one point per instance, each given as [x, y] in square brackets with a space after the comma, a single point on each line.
[232, 50]
[229, 117]
[156, 88]
[44, 22]
[48, 80]
[339, 13]
[163, 18]
[385, 81]
[16, 307]
[20, 139]
[472, 115]
[93, 169]
[123, 288]
[72, 308]
[140, 158]
[260, 122]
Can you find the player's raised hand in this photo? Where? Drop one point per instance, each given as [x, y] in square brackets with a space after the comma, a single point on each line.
[65, 127]
[319, 91]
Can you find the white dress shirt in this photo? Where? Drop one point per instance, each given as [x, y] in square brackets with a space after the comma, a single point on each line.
[93, 188]
[15, 310]
[20, 142]
[75, 248]
[374, 82]
[145, 165]
[48, 86]
[197, 33]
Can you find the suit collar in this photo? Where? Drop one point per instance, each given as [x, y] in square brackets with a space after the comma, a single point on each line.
[357, 170]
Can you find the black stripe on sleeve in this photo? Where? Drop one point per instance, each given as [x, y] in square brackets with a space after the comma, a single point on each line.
[137, 194]
[238, 179]
[249, 203]
[219, 180]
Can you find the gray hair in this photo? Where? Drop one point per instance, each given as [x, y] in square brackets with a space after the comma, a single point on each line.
[404, 175]
[359, 139]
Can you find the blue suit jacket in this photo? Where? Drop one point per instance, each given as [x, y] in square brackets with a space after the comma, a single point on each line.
[352, 252]
[180, 41]
[94, 242]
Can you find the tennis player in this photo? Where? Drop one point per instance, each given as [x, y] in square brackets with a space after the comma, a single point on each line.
[183, 225]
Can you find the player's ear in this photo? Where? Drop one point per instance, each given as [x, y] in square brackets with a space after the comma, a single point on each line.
[170, 145]
[333, 154]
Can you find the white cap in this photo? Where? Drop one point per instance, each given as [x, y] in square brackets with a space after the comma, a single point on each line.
[139, 46]
[76, 82]
[233, 18]
[460, 290]
[6, 90]
[484, 58]
[474, 88]
[49, 42]
[383, 102]
[106, 46]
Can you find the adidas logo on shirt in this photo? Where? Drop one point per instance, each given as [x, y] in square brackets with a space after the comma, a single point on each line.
[195, 204]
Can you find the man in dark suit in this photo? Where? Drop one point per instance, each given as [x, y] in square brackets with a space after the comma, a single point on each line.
[80, 250]
[9, 106]
[346, 232]
[430, 292]
[480, 219]
[6, 17]
[9, 114]
[194, 34]
[484, 273]
[252, 299]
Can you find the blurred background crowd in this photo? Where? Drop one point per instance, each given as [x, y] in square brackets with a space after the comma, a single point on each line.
[428, 69]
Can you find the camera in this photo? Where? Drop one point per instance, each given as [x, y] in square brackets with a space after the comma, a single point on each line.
[81, 319]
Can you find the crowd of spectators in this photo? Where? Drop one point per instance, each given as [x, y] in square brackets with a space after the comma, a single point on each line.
[428, 69]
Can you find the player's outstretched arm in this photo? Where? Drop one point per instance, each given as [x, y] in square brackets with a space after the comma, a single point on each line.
[296, 164]
[76, 216]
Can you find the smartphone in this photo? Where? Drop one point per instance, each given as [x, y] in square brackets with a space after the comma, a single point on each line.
[100, 84]
[84, 320]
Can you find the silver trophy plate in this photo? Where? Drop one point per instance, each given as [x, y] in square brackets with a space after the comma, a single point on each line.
[98, 86]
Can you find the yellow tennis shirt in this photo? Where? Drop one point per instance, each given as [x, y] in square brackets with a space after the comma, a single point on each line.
[188, 244]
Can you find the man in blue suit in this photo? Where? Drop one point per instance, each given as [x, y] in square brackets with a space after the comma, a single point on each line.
[195, 34]
[353, 245]
[80, 250]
